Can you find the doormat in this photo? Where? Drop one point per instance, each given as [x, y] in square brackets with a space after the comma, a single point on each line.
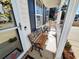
[29, 57]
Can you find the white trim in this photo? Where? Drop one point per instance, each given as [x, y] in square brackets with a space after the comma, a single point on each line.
[22, 54]
[38, 15]
[58, 21]
[35, 14]
[4, 30]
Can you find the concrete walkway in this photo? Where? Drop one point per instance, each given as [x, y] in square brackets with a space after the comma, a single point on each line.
[73, 38]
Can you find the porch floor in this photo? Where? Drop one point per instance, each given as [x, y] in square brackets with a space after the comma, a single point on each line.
[46, 54]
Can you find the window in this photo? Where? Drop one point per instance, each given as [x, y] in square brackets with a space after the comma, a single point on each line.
[38, 21]
[10, 43]
[39, 13]
[39, 7]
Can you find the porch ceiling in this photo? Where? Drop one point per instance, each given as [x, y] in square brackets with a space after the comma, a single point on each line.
[51, 3]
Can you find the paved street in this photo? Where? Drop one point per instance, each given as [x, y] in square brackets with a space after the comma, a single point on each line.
[73, 37]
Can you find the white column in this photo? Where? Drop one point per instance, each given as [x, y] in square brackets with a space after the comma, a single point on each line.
[58, 21]
[59, 11]
[59, 16]
[66, 28]
[58, 26]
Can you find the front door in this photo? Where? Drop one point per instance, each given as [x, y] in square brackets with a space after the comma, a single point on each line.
[10, 43]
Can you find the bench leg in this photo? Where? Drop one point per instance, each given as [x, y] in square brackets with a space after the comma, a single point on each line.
[32, 49]
[33, 46]
[36, 48]
[40, 53]
[39, 50]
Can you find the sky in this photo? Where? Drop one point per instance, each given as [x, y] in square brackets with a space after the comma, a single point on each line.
[77, 12]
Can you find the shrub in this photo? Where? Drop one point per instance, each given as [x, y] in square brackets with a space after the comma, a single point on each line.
[68, 46]
[12, 39]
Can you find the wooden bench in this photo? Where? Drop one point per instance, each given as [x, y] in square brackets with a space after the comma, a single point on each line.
[41, 40]
[38, 43]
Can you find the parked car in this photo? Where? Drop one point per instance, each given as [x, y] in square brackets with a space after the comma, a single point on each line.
[2, 21]
[77, 17]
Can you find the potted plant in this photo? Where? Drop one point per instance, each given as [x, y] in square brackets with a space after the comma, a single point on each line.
[68, 53]
[12, 40]
[67, 46]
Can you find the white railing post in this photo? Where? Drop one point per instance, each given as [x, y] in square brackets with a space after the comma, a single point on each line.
[66, 28]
